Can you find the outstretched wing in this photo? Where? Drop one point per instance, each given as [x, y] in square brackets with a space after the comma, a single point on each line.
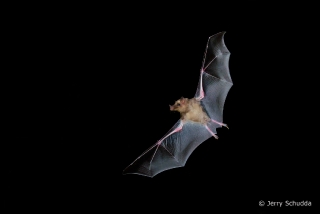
[170, 152]
[183, 138]
[215, 80]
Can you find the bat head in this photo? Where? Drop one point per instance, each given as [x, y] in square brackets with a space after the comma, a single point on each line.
[180, 105]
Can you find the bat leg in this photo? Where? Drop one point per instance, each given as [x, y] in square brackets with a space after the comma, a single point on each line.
[221, 124]
[214, 135]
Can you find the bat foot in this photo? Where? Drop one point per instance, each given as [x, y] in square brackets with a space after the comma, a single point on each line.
[221, 124]
[214, 135]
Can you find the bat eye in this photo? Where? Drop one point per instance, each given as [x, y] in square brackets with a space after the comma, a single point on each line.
[178, 104]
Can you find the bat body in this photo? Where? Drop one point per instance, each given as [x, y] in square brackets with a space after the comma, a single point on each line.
[199, 116]
[190, 109]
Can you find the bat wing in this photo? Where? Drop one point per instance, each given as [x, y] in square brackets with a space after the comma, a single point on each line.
[215, 80]
[170, 152]
[183, 138]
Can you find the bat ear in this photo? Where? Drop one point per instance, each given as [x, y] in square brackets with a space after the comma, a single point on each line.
[182, 100]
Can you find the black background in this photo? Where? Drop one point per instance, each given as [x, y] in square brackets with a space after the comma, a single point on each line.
[88, 91]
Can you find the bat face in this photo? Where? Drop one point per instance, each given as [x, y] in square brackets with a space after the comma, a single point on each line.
[180, 105]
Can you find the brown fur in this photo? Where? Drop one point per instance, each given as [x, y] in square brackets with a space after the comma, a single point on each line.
[190, 109]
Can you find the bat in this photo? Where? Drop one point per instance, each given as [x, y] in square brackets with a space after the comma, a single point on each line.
[199, 116]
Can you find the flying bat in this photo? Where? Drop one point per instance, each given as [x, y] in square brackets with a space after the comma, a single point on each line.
[200, 116]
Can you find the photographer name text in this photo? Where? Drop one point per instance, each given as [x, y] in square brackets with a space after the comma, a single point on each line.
[286, 203]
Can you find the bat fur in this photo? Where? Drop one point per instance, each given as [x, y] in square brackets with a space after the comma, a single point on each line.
[190, 109]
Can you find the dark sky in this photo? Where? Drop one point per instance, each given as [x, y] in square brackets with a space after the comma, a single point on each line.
[88, 93]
